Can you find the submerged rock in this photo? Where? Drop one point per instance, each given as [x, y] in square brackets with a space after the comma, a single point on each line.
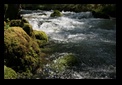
[64, 62]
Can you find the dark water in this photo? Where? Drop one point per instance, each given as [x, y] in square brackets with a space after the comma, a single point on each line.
[91, 40]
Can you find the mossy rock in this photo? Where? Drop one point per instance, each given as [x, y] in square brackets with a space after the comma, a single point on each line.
[24, 75]
[9, 73]
[64, 62]
[20, 50]
[16, 23]
[24, 20]
[41, 37]
[56, 13]
[24, 24]
[41, 43]
[28, 29]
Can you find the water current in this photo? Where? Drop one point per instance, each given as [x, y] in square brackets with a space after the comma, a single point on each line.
[91, 40]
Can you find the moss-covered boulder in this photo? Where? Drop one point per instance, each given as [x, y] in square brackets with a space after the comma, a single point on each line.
[64, 62]
[24, 20]
[28, 29]
[9, 73]
[16, 23]
[41, 37]
[24, 24]
[21, 52]
[56, 13]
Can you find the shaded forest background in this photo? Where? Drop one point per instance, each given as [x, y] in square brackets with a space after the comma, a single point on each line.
[102, 9]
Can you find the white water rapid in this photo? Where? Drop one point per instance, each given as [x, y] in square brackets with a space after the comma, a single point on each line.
[92, 40]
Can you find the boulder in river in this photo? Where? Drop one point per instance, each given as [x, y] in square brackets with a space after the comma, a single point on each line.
[56, 13]
[21, 52]
[64, 62]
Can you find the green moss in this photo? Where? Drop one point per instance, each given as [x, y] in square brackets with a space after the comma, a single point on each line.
[41, 43]
[56, 13]
[24, 75]
[20, 50]
[24, 20]
[40, 35]
[24, 24]
[9, 73]
[41, 38]
[64, 62]
[16, 23]
[28, 29]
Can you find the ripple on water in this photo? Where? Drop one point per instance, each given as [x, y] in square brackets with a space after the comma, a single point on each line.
[92, 40]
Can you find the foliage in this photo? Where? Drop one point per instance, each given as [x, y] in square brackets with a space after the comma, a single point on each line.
[101, 10]
[9, 73]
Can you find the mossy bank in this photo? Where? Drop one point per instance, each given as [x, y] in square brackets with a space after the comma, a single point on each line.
[22, 52]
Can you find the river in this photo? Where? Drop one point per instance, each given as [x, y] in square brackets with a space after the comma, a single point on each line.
[91, 40]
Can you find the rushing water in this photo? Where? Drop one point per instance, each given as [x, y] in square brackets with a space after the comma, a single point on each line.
[91, 40]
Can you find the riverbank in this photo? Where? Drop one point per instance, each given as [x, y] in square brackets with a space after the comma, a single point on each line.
[98, 10]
